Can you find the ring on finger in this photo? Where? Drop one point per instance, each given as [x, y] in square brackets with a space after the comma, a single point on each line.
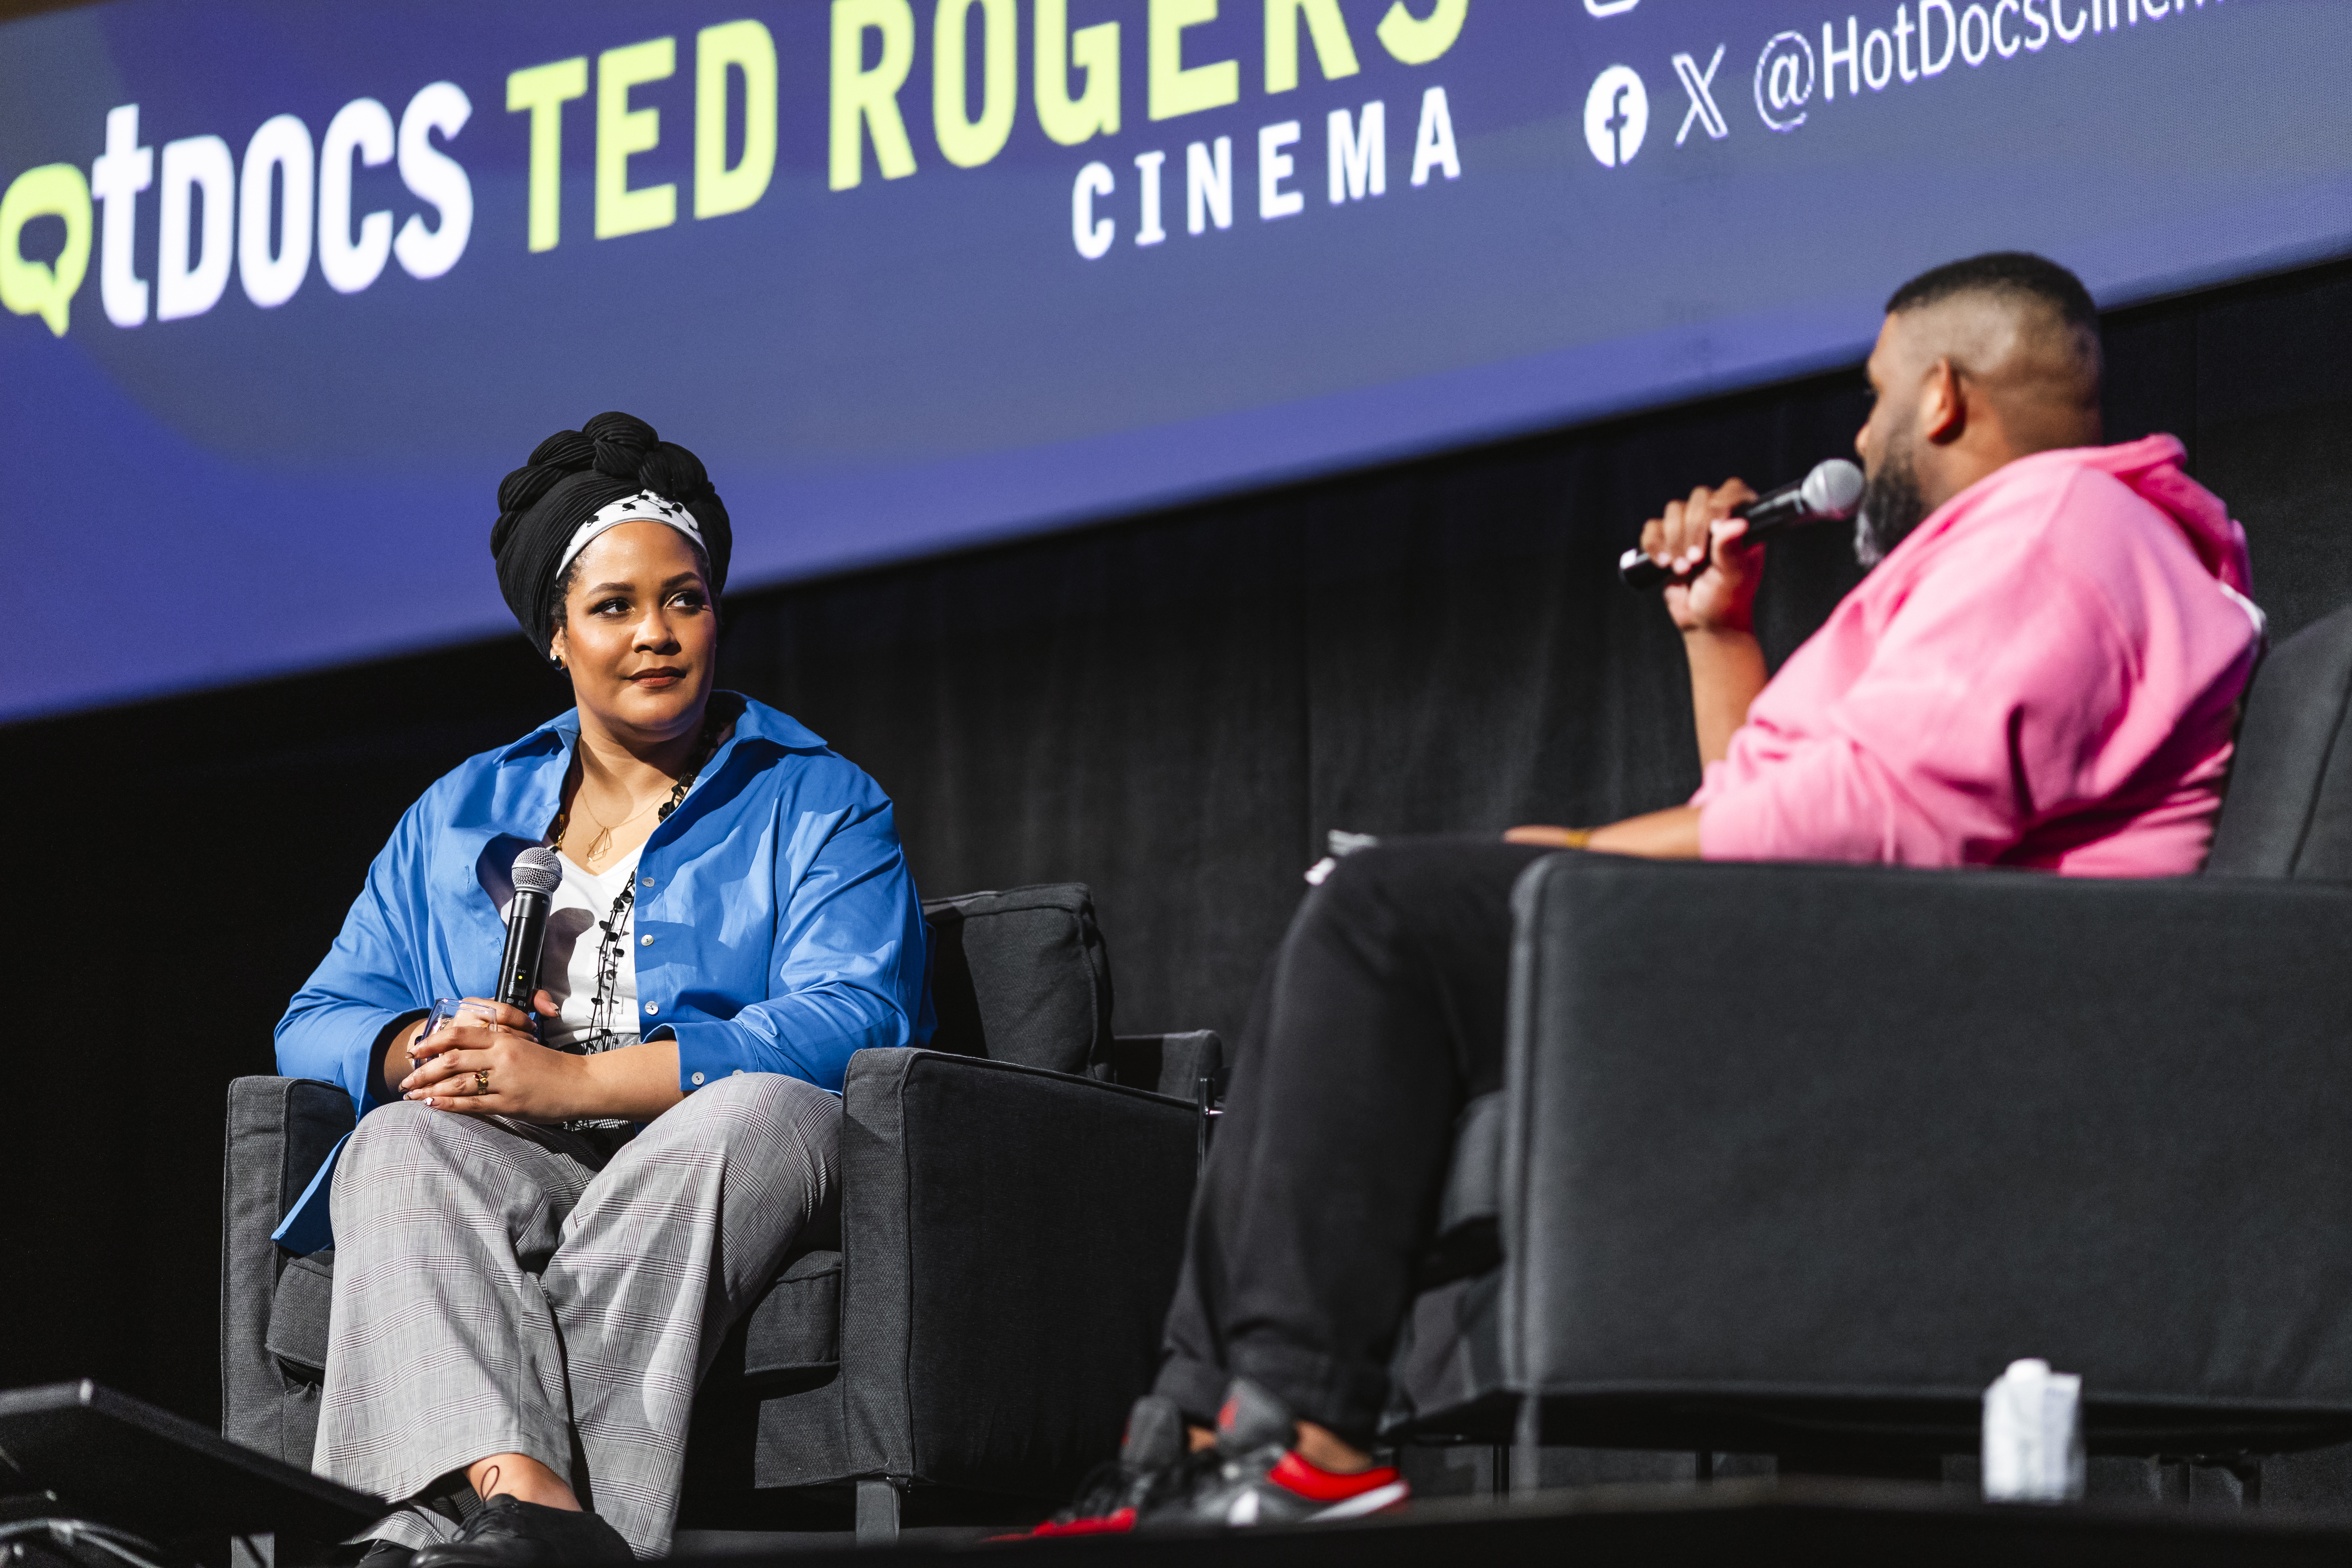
[481, 1080]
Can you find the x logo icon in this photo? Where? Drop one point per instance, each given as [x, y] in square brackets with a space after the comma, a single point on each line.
[1699, 85]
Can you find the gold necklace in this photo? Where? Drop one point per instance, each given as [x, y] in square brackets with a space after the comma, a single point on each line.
[603, 840]
[706, 744]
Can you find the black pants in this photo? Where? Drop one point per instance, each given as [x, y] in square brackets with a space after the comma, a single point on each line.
[1380, 1017]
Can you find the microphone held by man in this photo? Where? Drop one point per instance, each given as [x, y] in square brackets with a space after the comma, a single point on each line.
[1831, 494]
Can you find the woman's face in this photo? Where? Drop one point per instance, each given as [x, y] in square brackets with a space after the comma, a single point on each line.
[640, 638]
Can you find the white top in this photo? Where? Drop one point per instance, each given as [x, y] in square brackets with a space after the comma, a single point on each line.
[576, 948]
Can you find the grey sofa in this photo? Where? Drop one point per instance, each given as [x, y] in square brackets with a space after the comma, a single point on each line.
[1013, 1204]
[1796, 1159]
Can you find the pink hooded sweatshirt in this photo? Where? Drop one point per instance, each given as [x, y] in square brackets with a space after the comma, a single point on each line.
[2046, 673]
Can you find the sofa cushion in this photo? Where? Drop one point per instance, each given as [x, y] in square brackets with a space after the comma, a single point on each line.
[297, 1315]
[1021, 976]
[796, 1328]
[1171, 1065]
[1470, 1206]
[317, 1117]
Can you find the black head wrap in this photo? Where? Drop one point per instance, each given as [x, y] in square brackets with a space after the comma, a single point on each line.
[572, 476]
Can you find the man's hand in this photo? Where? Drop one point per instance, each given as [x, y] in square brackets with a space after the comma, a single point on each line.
[1669, 835]
[524, 1077]
[1722, 597]
[1715, 608]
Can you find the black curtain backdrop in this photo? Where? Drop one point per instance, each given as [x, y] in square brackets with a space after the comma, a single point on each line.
[1173, 709]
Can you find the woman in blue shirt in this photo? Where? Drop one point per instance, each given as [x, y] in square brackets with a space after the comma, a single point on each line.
[526, 1295]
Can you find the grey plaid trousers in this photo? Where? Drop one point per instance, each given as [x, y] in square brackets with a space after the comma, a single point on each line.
[494, 1292]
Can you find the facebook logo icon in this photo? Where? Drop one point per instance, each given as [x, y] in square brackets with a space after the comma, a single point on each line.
[1617, 116]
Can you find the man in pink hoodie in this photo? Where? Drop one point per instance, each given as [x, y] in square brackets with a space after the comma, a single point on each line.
[2043, 669]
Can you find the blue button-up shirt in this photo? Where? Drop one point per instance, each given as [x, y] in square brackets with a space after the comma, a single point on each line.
[785, 929]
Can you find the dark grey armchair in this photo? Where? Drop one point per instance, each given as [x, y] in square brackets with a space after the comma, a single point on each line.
[1013, 1213]
[1796, 1159]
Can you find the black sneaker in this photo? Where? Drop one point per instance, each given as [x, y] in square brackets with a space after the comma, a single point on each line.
[1260, 1480]
[507, 1532]
[1152, 1463]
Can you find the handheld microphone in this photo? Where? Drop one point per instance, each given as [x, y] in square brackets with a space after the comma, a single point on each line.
[537, 874]
[1830, 493]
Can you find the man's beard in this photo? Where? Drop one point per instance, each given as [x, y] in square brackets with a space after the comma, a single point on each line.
[1891, 507]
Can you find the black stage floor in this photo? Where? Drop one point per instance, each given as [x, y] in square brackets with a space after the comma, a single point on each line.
[1822, 1523]
[79, 1451]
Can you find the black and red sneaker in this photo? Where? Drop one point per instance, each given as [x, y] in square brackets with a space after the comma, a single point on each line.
[1259, 1478]
[1152, 1463]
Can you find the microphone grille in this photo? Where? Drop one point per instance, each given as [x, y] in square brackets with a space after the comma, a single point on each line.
[1833, 490]
[537, 870]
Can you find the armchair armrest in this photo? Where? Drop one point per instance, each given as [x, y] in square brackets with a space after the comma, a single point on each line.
[280, 1129]
[1791, 1133]
[1009, 1240]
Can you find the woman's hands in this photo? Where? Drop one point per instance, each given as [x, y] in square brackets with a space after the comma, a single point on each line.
[489, 1062]
[527, 1079]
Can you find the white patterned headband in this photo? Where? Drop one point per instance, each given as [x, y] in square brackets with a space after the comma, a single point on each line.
[642, 506]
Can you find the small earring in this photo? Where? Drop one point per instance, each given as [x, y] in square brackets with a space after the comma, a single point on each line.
[559, 664]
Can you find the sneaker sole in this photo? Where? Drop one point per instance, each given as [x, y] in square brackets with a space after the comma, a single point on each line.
[1363, 1504]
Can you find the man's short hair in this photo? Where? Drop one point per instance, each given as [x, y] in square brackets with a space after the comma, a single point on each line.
[2013, 273]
